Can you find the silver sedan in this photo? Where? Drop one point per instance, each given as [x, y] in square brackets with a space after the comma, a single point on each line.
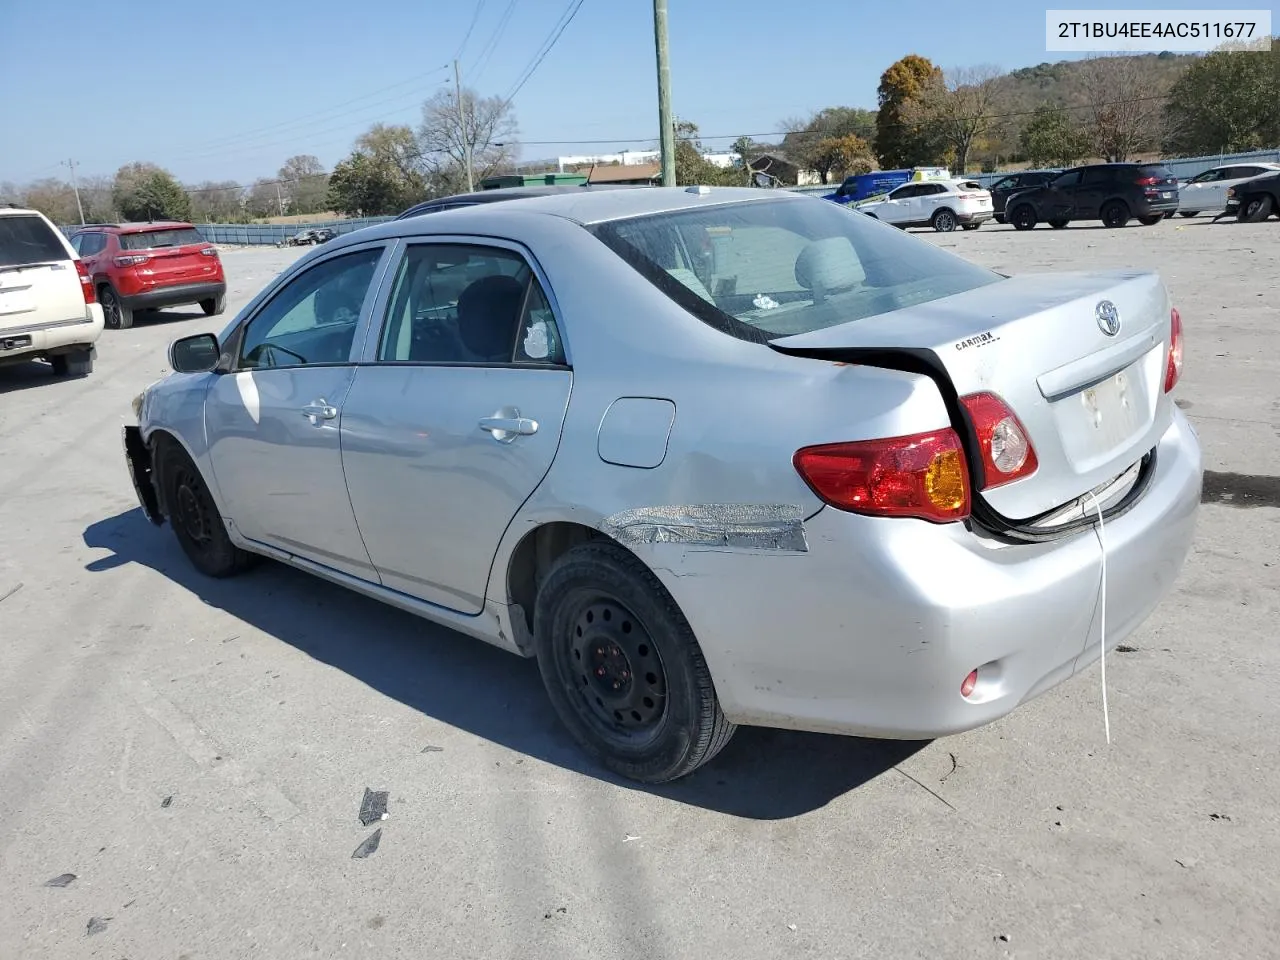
[711, 456]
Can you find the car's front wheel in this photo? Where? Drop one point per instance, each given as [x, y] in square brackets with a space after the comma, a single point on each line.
[194, 516]
[622, 667]
[115, 315]
[1023, 217]
[1255, 209]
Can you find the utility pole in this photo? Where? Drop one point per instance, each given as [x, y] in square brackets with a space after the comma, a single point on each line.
[666, 125]
[279, 198]
[462, 126]
[71, 165]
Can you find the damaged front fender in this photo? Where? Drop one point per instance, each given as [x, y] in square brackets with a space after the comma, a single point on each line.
[142, 472]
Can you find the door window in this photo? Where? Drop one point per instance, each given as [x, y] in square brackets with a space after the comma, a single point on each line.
[313, 318]
[905, 193]
[1006, 184]
[1069, 179]
[454, 303]
[1095, 176]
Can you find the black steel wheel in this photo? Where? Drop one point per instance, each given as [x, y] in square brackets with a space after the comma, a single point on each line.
[1023, 217]
[1115, 214]
[115, 315]
[194, 516]
[1059, 223]
[622, 667]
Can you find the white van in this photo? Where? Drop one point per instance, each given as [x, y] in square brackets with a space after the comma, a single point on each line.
[48, 308]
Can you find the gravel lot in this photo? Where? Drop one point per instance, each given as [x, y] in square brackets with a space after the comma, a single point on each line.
[195, 752]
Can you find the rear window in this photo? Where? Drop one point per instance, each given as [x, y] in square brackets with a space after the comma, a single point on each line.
[1163, 173]
[26, 239]
[764, 269]
[153, 239]
[969, 185]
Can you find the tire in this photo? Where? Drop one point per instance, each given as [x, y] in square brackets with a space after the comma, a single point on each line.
[1023, 217]
[195, 518]
[214, 305]
[1115, 214]
[1188, 213]
[970, 226]
[115, 315]
[1255, 209]
[601, 616]
[944, 221]
[1059, 224]
[999, 218]
[78, 364]
[1152, 220]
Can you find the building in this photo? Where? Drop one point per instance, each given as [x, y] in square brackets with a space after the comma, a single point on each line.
[626, 173]
[625, 158]
[533, 180]
[786, 171]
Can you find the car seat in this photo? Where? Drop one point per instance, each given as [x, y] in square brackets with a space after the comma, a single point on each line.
[488, 311]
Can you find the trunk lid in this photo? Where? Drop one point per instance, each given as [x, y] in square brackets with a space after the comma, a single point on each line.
[173, 255]
[1092, 403]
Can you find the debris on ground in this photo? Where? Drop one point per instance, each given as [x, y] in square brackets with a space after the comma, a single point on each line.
[1219, 816]
[9, 594]
[166, 803]
[96, 925]
[952, 770]
[368, 846]
[628, 838]
[61, 880]
[1125, 648]
[374, 806]
[431, 749]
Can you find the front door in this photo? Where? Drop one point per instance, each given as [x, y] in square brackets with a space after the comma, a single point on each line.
[1061, 199]
[1097, 185]
[454, 418]
[899, 206]
[273, 422]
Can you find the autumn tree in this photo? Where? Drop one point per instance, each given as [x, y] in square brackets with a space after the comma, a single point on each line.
[304, 182]
[901, 140]
[144, 191]
[959, 107]
[807, 142]
[840, 157]
[1227, 101]
[1123, 109]
[481, 128]
[54, 198]
[1052, 137]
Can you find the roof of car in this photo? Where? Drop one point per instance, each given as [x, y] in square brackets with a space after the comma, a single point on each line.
[501, 193]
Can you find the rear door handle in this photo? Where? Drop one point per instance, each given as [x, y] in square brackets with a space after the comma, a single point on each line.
[318, 410]
[506, 429]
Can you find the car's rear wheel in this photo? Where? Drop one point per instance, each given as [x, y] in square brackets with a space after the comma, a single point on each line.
[622, 667]
[1151, 221]
[944, 221]
[115, 315]
[1255, 209]
[1115, 214]
[1059, 223]
[214, 305]
[1188, 213]
[1023, 217]
[194, 516]
[999, 218]
[77, 364]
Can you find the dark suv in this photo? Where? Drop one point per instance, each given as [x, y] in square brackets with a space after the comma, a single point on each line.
[1006, 187]
[1114, 193]
[147, 266]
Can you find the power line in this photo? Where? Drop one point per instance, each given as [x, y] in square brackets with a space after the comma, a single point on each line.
[467, 36]
[570, 12]
[487, 51]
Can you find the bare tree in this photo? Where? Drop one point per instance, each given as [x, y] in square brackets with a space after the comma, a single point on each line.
[959, 108]
[305, 183]
[1123, 109]
[483, 127]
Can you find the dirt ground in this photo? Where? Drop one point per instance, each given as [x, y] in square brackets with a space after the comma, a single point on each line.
[195, 752]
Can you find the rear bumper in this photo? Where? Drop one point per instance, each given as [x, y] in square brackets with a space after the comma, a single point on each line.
[49, 338]
[974, 216]
[872, 630]
[173, 296]
[1152, 207]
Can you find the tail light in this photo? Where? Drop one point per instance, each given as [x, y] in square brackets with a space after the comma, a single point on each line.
[1174, 368]
[209, 252]
[131, 261]
[1148, 181]
[923, 475]
[86, 283]
[1007, 453]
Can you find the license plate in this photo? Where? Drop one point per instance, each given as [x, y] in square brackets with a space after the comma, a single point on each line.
[1166, 195]
[1114, 409]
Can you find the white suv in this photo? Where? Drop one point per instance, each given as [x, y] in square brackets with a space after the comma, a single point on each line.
[941, 204]
[1207, 192]
[48, 308]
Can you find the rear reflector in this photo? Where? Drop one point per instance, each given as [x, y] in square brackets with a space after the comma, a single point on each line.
[1007, 454]
[923, 475]
[86, 283]
[1174, 369]
[969, 682]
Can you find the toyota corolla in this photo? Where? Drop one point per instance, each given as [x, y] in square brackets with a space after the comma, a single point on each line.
[711, 456]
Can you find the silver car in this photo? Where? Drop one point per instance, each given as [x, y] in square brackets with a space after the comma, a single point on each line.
[711, 456]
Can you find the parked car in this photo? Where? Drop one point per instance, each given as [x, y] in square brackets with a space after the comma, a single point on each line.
[309, 236]
[440, 204]
[48, 310]
[1207, 192]
[150, 266]
[1252, 201]
[1114, 193]
[324, 234]
[1005, 187]
[713, 456]
[941, 204]
[866, 186]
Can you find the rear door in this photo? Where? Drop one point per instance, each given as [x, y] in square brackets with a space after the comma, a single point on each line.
[173, 254]
[1097, 185]
[39, 284]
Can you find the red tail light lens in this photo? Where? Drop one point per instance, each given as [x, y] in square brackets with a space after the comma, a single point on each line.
[923, 475]
[1007, 453]
[209, 252]
[1173, 371]
[86, 283]
[1148, 181]
[132, 261]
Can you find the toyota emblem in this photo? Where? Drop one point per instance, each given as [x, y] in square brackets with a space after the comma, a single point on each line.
[1108, 317]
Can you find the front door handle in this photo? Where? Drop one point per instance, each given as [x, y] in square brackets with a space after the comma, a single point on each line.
[318, 410]
[506, 429]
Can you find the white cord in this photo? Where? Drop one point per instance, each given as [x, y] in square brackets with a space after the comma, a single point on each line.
[1102, 631]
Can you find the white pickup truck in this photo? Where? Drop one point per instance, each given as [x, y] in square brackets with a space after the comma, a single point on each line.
[48, 308]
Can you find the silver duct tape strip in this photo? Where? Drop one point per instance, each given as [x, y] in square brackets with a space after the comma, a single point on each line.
[750, 526]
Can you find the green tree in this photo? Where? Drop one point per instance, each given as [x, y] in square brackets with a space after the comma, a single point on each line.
[840, 157]
[1051, 137]
[144, 191]
[1227, 101]
[54, 198]
[217, 201]
[383, 175]
[901, 140]
[691, 168]
[802, 143]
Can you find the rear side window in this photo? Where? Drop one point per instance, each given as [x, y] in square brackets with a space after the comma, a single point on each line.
[764, 269]
[154, 239]
[25, 240]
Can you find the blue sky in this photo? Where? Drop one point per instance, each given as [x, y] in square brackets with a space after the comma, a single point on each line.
[228, 89]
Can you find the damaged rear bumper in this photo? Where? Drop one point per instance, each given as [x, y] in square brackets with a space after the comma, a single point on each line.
[141, 471]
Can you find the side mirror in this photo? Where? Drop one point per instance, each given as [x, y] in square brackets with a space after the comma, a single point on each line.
[195, 354]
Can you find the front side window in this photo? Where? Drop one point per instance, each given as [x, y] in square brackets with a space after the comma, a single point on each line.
[313, 318]
[1006, 184]
[470, 304]
[1069, 179]
[764, 269]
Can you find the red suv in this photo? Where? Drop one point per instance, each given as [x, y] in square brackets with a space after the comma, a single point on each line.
[146, 266]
